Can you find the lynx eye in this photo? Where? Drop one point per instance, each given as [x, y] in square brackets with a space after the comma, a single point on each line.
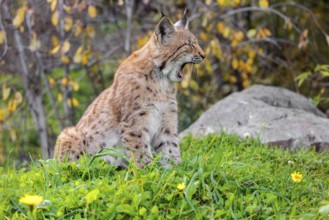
[191, 44]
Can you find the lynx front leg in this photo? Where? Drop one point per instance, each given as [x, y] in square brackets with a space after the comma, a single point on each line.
[135, 134]
[166, 142]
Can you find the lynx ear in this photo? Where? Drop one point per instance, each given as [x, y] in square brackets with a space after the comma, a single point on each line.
[164, 29]
[183, 22]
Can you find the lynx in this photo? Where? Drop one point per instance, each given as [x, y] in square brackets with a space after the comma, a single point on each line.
[139, 110]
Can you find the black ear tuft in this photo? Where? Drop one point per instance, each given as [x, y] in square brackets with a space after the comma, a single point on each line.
[164, 29]
[184, 21]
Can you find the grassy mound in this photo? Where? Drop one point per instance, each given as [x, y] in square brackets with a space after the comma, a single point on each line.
[220, 177]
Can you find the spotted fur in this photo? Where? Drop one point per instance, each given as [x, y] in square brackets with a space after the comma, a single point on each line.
[139, 110]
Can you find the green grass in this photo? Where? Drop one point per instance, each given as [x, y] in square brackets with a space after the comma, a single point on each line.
[225, 178]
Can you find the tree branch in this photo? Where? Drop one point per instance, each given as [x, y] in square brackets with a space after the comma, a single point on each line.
[43, 75]
[253, 8]
[34, 99]
[129, 9]
[5, 43]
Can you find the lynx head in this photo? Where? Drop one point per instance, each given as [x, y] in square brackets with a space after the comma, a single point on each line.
[174, 47]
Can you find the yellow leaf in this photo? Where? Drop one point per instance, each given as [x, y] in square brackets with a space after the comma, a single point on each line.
[241, 65]
[235, 3]
[35, 44]
[208, 2]
[53, 5]
[245, 84]
[64, 81]
[2, 115]
[54, 41]
[90, 31]
[235, 64]
[75, 102]
[216, 49]
[251, 53]
[248, 68]
[66, 47]
[52, 82]
[235, 43]
[2, 37]
[75, 85]
[20, 16]
[92, 11]
[18, 97]
[55, 18]
[263, 33]
[13, 135]
[85, 58]
[238, 36]
[250, 61]
[233, 79]
[251, 33]
[203, 36]
[55, 49]
[220, 27]
[227, 32]
[77, 55]
[263, 3]
[5, 91]
[65, 59]
[78, 29]
[59, 97]
[12, 105]
[267, 32]
[68, 9]
[222, 3]
[68, 23]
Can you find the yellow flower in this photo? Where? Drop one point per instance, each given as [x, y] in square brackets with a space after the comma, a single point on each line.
[296, 177]
[181, 186]
[31, 200]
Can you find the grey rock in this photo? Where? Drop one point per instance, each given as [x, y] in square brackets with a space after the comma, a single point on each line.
[275, 115]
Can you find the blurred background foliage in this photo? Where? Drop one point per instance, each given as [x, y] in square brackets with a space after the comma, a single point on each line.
[56, 56]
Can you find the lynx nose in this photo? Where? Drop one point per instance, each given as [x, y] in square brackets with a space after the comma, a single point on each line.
[202, 55]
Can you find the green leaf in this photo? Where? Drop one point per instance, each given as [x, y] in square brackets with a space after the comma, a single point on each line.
[92, 196]
[125, 208]
[302, 77]
[155, 210]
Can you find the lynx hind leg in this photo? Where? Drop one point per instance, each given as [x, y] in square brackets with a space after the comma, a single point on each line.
[69, 144]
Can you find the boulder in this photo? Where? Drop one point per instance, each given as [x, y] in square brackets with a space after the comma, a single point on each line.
[275, 115]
